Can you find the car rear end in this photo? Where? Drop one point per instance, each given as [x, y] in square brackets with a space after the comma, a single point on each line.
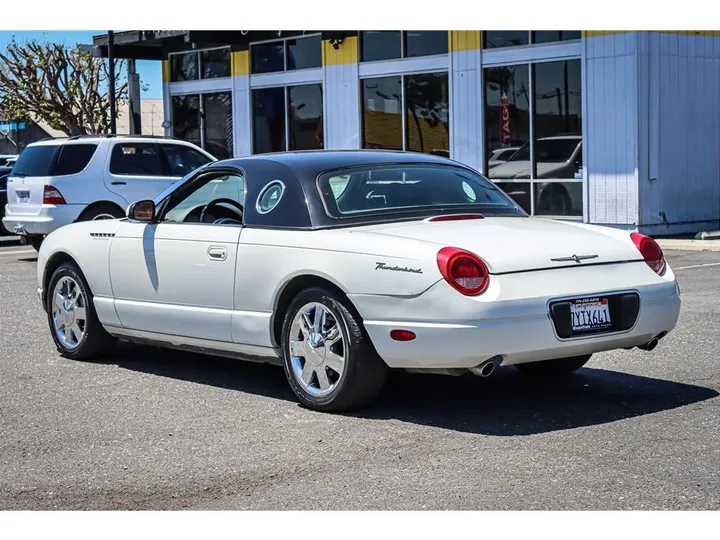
[514, 292]
[42, 186]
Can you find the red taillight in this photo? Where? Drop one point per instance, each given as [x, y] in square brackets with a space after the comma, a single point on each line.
[402, 335]
[463, 270]
[650, 251]
[52, 196]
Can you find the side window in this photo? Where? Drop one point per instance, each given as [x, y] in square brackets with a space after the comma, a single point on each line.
[205, 190]
[270, 196]
[136, 159]
[73, 158]
[183, 160]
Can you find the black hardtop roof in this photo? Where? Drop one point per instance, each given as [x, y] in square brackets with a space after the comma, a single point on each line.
[314, 162]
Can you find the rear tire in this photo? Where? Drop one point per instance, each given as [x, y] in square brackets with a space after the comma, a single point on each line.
[35, 241]
[332, 366]
[75, 328]
[101, 211]
[561, 366]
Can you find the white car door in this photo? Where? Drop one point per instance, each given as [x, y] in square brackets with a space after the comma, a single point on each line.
[142, 170]
[177, 276]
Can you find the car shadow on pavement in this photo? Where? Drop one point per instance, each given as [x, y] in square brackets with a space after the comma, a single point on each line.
[505, 404]
[511, 403]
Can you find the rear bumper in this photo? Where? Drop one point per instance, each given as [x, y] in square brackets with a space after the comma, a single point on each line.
[49, 218]
[518, 334]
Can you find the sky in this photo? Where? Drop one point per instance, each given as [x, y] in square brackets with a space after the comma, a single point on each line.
[150, 71]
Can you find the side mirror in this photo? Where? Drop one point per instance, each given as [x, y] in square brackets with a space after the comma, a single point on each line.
[142, 211]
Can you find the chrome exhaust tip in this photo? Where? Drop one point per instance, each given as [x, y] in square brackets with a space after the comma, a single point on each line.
[650, 345]
[487, 368]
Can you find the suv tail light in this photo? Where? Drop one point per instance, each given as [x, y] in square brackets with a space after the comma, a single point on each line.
[464, 271]
[651, 252]
[52, 196]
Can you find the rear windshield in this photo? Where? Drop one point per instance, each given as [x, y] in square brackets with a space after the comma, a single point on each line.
[410, 188]
[35, 161]
[57, 160]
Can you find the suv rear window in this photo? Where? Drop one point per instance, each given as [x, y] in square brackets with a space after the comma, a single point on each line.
[55, 160]
[35, 161]
[136, 159]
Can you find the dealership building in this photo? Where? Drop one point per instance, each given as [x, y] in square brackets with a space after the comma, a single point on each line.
[613, 128]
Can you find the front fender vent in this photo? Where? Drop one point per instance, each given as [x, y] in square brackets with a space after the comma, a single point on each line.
[102, 235]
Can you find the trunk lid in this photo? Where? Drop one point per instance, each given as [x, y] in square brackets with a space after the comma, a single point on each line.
[512, 244]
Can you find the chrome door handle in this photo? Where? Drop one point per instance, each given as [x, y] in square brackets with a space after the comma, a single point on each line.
[217, 253]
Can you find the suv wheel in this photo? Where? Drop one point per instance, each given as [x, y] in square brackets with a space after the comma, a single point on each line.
[101, 211]
[35, 241]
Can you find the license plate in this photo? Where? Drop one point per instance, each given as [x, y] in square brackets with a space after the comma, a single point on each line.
[590, 314]
[23, 197]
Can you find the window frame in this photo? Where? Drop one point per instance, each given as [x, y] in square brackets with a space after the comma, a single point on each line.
[286, 109]
[284, 41]
[403, 48]
[198, 56]
[530, 56]
[403, 102]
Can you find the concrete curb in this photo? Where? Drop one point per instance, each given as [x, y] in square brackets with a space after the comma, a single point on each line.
[689, 245]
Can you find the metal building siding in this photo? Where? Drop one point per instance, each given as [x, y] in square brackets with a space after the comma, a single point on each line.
[466, 108]
[610, 127]
[681, 190]
[341, 95]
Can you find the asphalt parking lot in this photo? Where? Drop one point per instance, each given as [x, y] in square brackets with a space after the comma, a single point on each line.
[153, 429]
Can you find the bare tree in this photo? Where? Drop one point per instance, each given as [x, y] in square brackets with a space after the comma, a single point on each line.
[63, 87]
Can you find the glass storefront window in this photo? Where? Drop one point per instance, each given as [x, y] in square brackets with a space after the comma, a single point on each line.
[186, 118]
[215, 63]
[544, 175]
[380, 45]
[427, 121]
[382, 113]
[304, 53]
[301, 53]
[507, 119]
[424, 111]
[268, 57]
[549, 36]
[268, 106]
[218, 124]
[305, 117]
[425, 43]
[493, 39]
[184, 67]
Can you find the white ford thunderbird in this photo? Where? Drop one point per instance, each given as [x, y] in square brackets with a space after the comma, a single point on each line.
[340, 265]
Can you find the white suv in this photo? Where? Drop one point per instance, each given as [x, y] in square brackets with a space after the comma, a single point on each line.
[59, 181]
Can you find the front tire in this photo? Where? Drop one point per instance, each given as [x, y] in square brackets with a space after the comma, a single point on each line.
[329, 361]
[75, 328]
[561, 366]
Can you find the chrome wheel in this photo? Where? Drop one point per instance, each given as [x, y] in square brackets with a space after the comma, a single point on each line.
[69, 312]
[317, 349]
